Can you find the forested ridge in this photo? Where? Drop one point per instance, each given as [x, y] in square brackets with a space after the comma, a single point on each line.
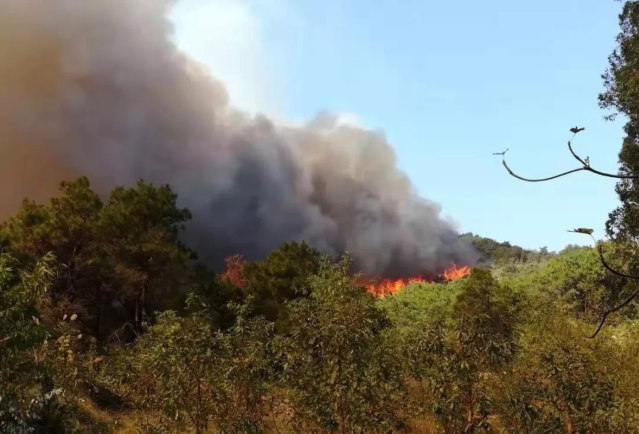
[109, 323]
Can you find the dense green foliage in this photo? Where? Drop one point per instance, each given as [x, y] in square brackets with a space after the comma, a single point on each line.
[281, 276]
[292, 344]
[340, 374]
[514, 355]
[115, 261]
[621, 95]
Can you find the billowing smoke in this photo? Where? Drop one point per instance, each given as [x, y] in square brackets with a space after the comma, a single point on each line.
[97, 88]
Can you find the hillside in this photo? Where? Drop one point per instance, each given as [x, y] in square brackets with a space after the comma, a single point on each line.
[108, 324]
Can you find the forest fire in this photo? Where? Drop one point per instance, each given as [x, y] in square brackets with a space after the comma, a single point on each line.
[386, 287]
[454, 272]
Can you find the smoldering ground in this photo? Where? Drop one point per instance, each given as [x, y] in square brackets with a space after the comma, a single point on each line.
[98, 88]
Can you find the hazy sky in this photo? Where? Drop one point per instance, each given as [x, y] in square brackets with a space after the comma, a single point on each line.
[449, 83]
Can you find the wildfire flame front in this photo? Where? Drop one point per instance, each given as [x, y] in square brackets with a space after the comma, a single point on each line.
[387, 287]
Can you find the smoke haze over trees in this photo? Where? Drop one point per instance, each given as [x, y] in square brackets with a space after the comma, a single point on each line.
[98, 89]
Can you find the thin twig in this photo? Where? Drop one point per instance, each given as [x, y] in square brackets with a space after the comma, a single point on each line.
[574, 154]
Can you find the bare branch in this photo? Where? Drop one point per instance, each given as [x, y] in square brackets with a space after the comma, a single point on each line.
[585, 166]
[601, 324]
[613, 310]
[621, 305]
[610, 175]
[540, 179]
[577, 157]
[612, 270]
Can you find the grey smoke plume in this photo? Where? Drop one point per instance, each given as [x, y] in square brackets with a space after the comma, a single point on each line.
[97, 88]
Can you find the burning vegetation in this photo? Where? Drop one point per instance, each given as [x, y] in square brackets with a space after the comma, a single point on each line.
[234, 275]
[385, 287]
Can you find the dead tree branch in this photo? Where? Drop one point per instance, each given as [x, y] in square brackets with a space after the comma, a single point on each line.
[585, 167]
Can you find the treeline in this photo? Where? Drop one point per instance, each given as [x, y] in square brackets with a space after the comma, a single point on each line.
[494, 253]
[108, 324]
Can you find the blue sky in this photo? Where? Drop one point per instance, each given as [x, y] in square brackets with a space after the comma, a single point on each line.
[449, 83]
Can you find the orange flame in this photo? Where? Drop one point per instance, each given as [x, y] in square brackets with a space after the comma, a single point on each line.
[454, 272]
[389, 286]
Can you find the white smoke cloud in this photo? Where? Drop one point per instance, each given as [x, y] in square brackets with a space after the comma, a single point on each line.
[227, 36]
